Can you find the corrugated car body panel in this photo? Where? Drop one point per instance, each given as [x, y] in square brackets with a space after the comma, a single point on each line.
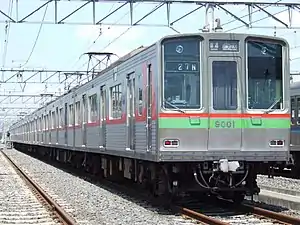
[116, 137]
[92, 136]
[78, 137]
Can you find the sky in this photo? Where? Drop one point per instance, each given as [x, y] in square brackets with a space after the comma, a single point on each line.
[60, 46]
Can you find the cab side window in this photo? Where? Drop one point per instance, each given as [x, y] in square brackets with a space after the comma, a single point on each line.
[293, 107]
[297, 111]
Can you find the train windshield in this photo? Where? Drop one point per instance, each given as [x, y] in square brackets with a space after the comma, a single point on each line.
[265, 75]
[181, 73]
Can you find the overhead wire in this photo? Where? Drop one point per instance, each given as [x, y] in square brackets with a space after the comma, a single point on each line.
[100, 33]
[7, 31]
[6, 38]
[124, 32]
[37, 37]
[35, 42]
[115, 23]
[111, 42]
[253, 12]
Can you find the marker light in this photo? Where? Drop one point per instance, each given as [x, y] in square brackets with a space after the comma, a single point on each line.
[167, 142]
[276, 143]
[280, 142]
[171, 143]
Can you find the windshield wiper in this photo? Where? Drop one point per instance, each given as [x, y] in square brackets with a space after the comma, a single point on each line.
[174, 106]
[270, 109]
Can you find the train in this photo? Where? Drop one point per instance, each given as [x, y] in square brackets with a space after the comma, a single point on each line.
[295, 128]
[192, 113]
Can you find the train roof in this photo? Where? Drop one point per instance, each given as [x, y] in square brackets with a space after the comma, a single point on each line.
[114, 64]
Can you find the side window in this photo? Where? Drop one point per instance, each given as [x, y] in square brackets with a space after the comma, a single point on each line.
[66, 114]
[116, 101]
[53, 120]
[93, 109]
[84, 109]
[293, 111]
[77, 113]
[103, 103]
[298, 111]
[50, 121]
[57, 118]
[71, 114]
[45, 122]
[61, 117]
[140, 95]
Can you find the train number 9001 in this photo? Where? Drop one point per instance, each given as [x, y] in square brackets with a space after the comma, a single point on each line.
[224, 124]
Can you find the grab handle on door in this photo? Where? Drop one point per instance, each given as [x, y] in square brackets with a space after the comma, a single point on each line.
[256, 120]
[195, 120]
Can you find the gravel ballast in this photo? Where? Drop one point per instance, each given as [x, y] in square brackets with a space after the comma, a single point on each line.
[89, 203]
[18, 204]
[279, 182]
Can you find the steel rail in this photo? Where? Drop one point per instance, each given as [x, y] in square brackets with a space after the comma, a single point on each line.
[198, 216]
[271, 215]
[63, 216]
[256, 211]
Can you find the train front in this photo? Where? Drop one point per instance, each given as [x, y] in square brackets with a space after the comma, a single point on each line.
[224, 109]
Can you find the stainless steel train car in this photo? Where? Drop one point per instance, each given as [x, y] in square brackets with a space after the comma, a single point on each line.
[295, 126]
[190, 113]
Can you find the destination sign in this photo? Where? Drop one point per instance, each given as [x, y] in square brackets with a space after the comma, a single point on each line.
[182, 67]
[224, 46]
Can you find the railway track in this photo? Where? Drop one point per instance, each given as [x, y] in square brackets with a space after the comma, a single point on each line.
[226, 213]
[24, 201]
[219, 212]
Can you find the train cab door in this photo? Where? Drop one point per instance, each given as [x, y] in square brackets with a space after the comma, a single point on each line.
[103, 102]
[57, 125]
[43, 128]
[50, 126]
[225, 118]
[84, 120]
[66, 124]
[149, 108]
[130, 113]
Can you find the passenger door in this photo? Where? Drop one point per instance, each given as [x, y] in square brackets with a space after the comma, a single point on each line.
[130, 107]
[84, 119]
[103, 117]
[225, 121]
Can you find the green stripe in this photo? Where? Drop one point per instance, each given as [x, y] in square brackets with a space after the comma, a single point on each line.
[224, 123]
[182, 123]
